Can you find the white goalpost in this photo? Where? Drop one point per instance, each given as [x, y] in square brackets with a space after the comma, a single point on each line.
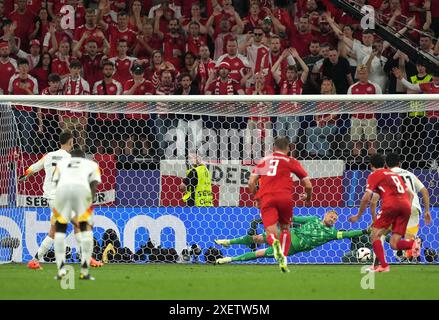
[145, 144]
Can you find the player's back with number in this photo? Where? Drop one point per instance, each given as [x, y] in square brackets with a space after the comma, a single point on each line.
[275, 172]
[77, 180]
[390, 187]
[50, 161]
[77, 172]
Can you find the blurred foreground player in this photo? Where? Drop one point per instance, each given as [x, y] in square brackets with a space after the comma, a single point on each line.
[272, 186]
[77, 180]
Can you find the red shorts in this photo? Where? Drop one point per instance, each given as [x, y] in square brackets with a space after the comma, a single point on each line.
[276, 208]
[396, 216]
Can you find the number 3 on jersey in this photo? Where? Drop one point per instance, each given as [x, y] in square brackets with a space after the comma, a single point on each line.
[273, 168]
[399, 186]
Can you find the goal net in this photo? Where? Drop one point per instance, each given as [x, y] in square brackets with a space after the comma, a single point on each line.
[145, 145]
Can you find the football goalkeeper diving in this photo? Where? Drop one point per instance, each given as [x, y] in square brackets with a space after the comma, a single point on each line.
[311, 234]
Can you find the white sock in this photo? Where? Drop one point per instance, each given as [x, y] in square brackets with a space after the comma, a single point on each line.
[44, 247]
[60, 249]
[86, 250]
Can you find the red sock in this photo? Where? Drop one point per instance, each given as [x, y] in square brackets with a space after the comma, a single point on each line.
[379, 252]
[285, 241]
[270, 239]
[404, 244]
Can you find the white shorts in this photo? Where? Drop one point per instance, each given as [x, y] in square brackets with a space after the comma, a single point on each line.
[73, 201]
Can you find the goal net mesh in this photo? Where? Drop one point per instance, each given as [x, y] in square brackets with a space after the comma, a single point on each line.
[144, 149]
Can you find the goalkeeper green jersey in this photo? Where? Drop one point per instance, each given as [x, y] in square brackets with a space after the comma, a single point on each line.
[313, 233]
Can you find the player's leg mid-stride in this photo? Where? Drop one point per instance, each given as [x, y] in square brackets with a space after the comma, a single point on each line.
[278, 249]
[34, 264]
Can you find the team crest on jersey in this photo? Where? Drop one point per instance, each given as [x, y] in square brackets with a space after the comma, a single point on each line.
[369, 89]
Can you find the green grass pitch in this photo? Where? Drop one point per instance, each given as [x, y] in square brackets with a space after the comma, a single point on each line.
[208, 282]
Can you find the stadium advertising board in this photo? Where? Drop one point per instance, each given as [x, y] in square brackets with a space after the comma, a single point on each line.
[179, 227]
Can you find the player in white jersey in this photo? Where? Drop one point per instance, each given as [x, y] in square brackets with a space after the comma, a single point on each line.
[77, 180]
[393, 162]
[48, 163]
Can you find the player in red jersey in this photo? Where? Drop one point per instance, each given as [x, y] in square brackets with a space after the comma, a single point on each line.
[396, 201]
[274, 196]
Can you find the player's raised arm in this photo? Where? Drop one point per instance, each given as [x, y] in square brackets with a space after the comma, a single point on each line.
[34, 168]
[351, 234]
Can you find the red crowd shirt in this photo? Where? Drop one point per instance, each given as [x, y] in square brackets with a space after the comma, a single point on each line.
[42, 77]
[389, 185]
[171, 46]
[430, 87]
[237, 64]
[154, 42]
[25, 23]
[74, 88]
[259, 107]
[123, 67]
[101, 88]
[79, 32]
[60, 36]
[217, 22]
[364, 88]
[15, 88]
[34, 5]
[290, 87]
[60, 66]
[203, 73]
[274, 173]
[268, 62]
[229, 87]
[250, 23]
[114, 34]
[49, 112]
[193, 44]
[92, 68]
[7, 70]
[146, 88]
[57, 5]
[301, 41]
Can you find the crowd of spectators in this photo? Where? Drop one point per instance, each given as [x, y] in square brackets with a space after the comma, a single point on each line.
[212, 47]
